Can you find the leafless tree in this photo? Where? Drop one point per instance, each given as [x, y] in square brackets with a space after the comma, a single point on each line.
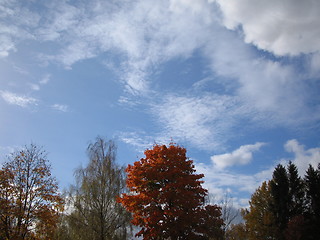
[230, 214]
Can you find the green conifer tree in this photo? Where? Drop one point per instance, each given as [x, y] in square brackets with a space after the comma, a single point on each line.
[312, 182]
[296, 191]
[280, 194]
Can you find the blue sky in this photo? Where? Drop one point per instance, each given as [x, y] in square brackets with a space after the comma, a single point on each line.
[236, 82]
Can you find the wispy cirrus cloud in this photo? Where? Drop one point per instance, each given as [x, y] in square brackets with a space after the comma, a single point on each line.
[141, 35]
[5, 151]
[60, 107]
[197, 120]
[139, 140]
[144, 34]
[19, 100]
[43, 81]
[21, 22]
[34, 86]
[263, 89]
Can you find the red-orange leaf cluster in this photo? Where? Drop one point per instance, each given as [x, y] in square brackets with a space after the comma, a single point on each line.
[166, 197]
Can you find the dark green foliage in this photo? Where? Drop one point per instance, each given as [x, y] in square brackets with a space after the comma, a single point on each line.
[312, 180]
[288, 207]
[280, 194]
[312, 215]
[296, 191]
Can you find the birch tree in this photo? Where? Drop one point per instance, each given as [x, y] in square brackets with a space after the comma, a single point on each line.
[95, 213]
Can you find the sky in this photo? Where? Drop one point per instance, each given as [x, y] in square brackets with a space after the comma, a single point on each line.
[235, 82]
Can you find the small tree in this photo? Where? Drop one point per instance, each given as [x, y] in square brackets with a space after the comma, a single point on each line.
[230, 214]
[167, 199]
[30, 202]
[260, 222]
[95, 212]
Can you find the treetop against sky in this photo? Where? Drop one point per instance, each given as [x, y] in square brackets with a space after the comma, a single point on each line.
[234, 82]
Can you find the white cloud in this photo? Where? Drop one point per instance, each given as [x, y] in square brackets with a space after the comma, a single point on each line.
[219, 179]
[281, 27]
[5, 151]
[74, 53]
[303, 157]
[201, 121]
[240, 156]
[141, 35]
[15, 99]
[20, 20]
[123, 100]
[45, 79]
[60, 107]
[59, 17]
[136, 140]
[6, 46]
[34, 87]
[141, 140]
[135, 80]
[265, 89]
[314, 65]
[145, 34]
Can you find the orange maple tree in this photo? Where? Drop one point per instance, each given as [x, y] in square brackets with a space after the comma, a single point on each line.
[166, 197]
[29, 198]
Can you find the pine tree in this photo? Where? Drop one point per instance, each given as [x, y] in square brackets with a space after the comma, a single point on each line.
[296, 191]
[312, 182]
[280, 194]
[296, 222]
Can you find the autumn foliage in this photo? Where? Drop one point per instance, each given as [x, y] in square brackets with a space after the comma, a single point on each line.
[260, 221]
[166, 197]
[29, 197]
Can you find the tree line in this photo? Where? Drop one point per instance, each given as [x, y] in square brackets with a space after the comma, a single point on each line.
[158, 197]
[285, 208]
